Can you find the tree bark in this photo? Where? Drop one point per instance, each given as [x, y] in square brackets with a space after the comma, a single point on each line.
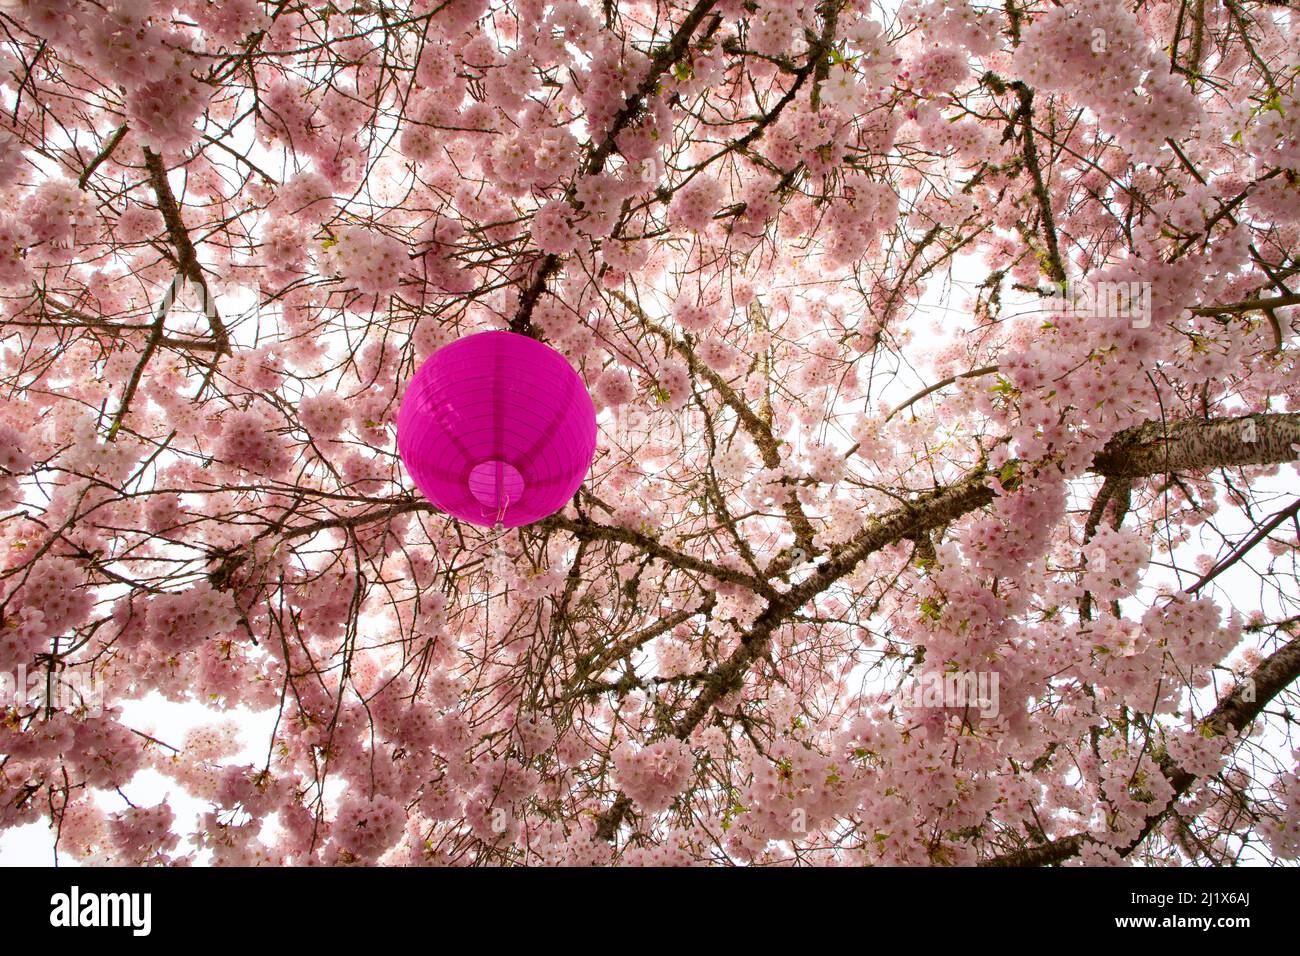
[1197, 445]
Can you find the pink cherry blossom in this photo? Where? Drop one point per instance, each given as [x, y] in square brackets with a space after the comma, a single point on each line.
[937, 347]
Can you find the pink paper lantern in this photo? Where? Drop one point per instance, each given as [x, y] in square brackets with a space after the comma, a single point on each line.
[497, 427]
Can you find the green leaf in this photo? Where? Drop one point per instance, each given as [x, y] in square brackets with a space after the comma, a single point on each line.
[1009, 476]
[1004, 387]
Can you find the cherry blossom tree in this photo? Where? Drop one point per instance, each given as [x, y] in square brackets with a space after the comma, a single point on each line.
[819, 264]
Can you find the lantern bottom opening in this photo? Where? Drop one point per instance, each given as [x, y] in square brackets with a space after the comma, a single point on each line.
[495, 484]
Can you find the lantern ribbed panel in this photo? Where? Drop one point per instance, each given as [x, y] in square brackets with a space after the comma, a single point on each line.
[497, 426]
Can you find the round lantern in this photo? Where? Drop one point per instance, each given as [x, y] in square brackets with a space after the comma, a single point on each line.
[497, 428]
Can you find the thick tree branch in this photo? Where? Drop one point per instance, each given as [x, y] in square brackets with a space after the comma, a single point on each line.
[1199, 445]
[1054, 266]
[187, 259]
[1248, 305]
